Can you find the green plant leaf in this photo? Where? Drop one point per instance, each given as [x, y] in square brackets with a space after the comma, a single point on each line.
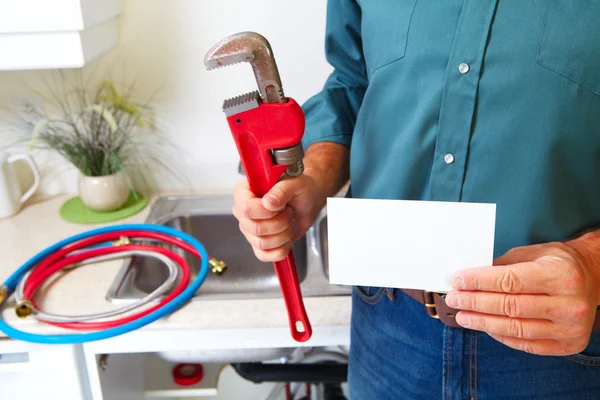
[107, 115]
[37, 129]
[116, 100]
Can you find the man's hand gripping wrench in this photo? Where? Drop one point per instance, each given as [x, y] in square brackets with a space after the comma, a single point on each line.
[267, 128]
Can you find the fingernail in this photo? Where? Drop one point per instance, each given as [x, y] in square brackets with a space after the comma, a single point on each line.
[272, 198]
[463, 320]
[458, 283]
[452, 299]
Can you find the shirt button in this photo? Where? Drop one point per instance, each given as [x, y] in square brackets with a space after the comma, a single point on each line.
[448, 158]
[463, 68]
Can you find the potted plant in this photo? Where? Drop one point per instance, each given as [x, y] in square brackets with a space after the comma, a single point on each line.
[103, 132]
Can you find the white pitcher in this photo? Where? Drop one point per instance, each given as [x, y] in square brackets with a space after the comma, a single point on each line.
[11, 198]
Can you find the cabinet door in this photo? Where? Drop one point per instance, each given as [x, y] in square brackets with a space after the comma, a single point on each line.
[44, 16]
[32, 372]
[43, 34]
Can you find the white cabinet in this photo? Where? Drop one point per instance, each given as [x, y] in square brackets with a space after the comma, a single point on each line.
[44, 34]
[32, 372]
[31, 16]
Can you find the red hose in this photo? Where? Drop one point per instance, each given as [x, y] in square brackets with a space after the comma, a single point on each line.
[120, 321]
[54, 263]
[100, 239]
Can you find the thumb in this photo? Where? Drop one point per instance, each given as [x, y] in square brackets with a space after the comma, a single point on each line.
[281, 194]
[521, 254]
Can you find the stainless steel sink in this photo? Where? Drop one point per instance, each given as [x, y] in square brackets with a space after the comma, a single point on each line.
[321, 225]
[223, 240]
[208, 218]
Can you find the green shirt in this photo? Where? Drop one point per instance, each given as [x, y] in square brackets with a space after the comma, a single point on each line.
[469, 100]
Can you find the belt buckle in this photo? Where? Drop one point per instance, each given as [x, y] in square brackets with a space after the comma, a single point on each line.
[430, 304]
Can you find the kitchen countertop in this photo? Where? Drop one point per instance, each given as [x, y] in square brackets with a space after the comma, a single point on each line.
[83, 290]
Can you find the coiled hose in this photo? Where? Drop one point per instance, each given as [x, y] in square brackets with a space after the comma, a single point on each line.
[102, 238]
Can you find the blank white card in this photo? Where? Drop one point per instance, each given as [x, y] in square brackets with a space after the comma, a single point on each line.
[407, 244]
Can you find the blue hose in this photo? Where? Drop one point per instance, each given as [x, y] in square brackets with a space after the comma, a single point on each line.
[177, 302]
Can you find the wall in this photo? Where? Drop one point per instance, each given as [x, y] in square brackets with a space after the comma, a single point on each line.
[162, 44]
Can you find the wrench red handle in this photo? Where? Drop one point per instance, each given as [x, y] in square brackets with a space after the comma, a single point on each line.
[292, 296]
[256, 133]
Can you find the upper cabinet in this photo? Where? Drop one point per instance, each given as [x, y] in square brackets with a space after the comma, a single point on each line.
[44, 34]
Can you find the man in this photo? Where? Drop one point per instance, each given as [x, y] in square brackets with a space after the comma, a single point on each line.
[463, 100]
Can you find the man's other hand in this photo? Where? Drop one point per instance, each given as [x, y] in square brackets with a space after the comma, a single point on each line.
[540, 299]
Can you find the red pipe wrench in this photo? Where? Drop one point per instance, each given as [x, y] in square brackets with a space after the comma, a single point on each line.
[267, 128]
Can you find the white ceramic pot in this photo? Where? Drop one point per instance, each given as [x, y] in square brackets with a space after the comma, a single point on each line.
[104, 193]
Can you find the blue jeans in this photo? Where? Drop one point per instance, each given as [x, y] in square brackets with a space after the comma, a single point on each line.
[398, 352]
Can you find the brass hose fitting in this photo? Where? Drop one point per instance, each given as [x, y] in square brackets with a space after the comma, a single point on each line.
[123, 241]
[3, 294]
[218, 266]
[24, 308]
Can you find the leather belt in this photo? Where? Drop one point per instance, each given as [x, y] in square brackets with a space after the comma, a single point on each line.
[436, 307]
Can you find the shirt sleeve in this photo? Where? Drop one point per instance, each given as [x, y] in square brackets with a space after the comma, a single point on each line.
[331, 113]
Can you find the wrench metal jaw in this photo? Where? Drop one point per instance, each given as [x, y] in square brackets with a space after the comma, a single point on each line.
[241, 103]
[253, 48]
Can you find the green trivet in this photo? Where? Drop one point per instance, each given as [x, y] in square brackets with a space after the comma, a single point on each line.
[75, 211]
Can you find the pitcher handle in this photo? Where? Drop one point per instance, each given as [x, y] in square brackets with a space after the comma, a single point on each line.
[34, 171]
